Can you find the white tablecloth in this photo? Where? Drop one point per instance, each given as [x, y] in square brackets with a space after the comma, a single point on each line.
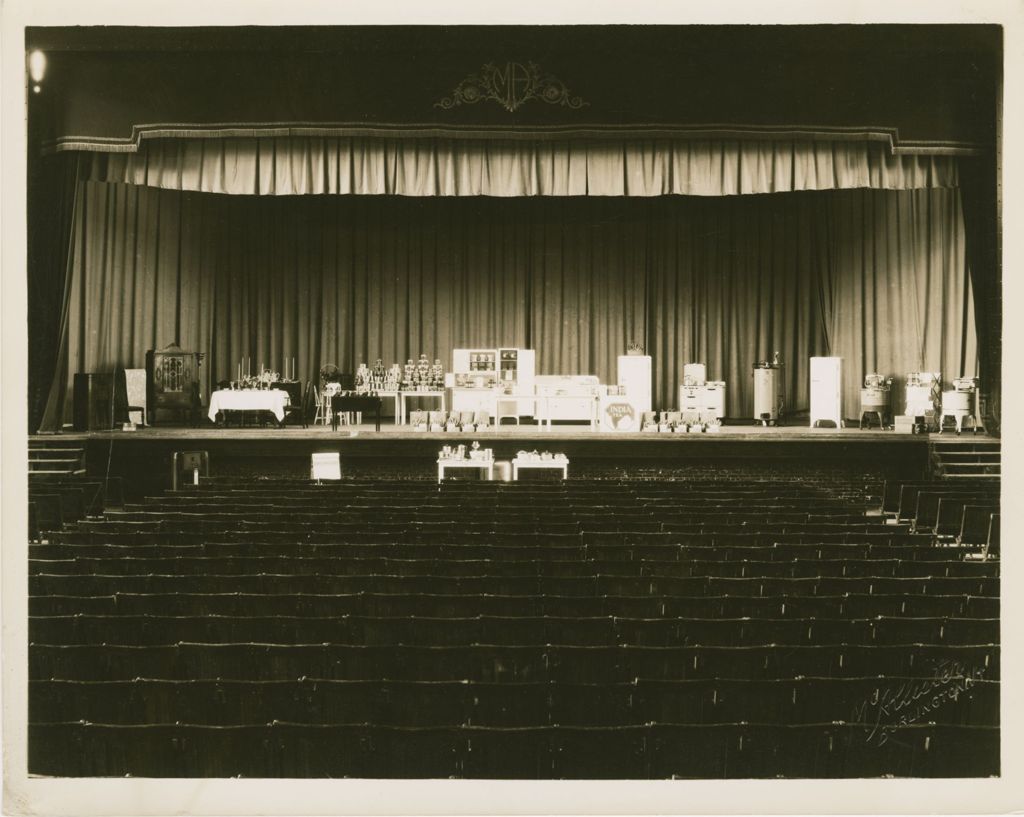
[272, 400]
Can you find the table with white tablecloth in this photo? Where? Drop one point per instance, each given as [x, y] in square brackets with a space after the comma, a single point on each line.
[272, 400]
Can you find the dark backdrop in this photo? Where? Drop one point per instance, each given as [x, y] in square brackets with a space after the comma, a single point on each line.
[928, 85]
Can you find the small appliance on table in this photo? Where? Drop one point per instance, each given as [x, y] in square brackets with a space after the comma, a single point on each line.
[455, 457]
[538, 460]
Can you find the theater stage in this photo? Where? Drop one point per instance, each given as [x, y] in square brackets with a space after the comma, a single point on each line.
[143, 457]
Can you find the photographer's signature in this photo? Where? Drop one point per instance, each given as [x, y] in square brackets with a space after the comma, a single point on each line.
[891, 708]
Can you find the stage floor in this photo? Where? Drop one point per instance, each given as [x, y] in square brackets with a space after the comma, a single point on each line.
[388, 431]
[143, 458]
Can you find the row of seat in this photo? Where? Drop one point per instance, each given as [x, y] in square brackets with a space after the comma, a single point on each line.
[42, 584]
[154, 629]
[457, 536]
[630, 752]
[487, 568]
[680, 479]
[536, 703]
[462, 606]
[210, 526]
[564, 521]
[499, 663]
[548, 552]
[444, 500]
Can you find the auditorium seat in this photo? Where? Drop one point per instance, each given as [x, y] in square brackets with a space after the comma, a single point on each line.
[572, 629]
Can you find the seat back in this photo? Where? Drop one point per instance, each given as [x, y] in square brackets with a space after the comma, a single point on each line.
[186, 467]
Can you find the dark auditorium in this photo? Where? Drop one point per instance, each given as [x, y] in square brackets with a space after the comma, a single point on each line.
[305, 304]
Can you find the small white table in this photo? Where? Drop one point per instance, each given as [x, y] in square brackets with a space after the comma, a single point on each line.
[480, 465]
[437, 395]
[559, 463]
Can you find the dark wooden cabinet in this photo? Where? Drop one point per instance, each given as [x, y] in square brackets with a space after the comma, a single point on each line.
[172, 384]
[100, 401]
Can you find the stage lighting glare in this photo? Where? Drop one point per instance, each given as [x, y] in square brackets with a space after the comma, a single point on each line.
[37, 65]
[36, 89]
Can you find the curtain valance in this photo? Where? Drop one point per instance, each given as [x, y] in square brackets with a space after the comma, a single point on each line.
[291, 165]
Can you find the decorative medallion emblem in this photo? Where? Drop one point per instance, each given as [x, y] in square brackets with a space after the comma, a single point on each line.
[510, 85]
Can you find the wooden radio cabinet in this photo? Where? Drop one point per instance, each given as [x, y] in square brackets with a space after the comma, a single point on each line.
[172, 383]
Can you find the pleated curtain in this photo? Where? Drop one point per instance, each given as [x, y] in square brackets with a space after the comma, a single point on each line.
[876, 277]
[306, 165]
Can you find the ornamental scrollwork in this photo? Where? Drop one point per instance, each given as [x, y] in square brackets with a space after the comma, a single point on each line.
[511, 85]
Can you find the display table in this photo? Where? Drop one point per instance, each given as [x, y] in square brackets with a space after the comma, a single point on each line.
[566, 407]
[390, 395]
[567, 397]
[343, 403]
[272, 400]
[480, 465]
[404, 402]
[559, 463]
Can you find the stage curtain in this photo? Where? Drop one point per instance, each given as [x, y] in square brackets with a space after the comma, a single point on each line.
[876, 277]
[52, 272]
[293, 165]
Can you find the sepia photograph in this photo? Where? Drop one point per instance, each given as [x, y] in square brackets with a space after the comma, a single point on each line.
[461, 401]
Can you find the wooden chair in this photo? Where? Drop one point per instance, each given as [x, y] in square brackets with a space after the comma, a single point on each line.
[300, 408]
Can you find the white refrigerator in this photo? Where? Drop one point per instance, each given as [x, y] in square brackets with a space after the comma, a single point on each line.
[635, 376]
[826, 390]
